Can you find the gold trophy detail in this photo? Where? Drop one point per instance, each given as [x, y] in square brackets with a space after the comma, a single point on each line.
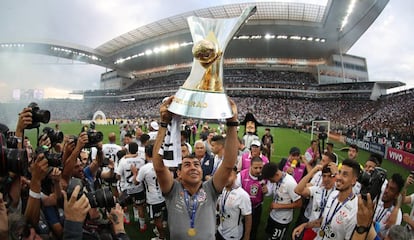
[202, 95]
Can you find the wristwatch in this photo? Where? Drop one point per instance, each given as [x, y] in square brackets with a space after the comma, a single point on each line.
[361, 229]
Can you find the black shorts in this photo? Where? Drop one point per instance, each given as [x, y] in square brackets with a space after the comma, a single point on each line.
[156, 210]
[138, 198]
[275, 230]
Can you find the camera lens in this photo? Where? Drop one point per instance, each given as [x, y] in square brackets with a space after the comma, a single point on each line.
[102, 198]
[13, 160]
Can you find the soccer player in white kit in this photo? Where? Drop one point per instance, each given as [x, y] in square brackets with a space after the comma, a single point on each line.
[156, 207]
[234, 205]
[126, 179]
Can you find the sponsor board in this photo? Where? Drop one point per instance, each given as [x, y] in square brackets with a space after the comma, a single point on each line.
[400, 157]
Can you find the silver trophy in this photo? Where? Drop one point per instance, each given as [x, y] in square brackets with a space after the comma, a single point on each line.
[202, 95]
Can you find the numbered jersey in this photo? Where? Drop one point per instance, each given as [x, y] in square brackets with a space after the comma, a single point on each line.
[110, 150]
[126, 181]
[147, 176]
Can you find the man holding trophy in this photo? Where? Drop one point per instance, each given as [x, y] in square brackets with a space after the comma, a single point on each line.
[188, 198]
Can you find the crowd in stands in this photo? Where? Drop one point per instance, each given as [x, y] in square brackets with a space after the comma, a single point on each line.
[76, 188]
[390, 117]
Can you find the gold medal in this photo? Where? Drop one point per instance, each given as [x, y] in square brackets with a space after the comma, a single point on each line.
[321, 233]
[191, 232]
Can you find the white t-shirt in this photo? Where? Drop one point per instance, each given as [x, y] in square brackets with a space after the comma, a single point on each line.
[319, 196]
[110, 150]
[146, 175]
[381, 216]
[236, 202]
[283, 193]
[124, 170]
[343, 221]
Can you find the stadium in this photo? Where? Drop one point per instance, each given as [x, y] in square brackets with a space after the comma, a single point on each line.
[287, 56]
[288, 65]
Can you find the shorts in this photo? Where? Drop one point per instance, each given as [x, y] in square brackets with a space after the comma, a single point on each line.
[156, 210]
[138, 198]
[275, 230]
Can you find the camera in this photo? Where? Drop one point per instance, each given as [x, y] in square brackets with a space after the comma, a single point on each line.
[38, 116]
[322, 133]
[372, 182]
[54, 136]
[13, 160]
[94, 138]
[101, 198]
[53, 159]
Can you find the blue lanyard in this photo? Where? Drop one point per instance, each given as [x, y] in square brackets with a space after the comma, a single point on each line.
[193, 209]
[337, 208]
[383, 212]
[224, 200]
[276, 194]
[324, 200]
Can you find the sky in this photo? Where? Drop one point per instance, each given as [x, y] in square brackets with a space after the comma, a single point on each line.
[387, 45]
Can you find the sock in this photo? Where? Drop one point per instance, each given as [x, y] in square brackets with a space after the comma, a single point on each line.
[141, 222]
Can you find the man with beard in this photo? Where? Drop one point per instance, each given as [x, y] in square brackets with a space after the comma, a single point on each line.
[318, 194]
[386, 205]
[338, 219]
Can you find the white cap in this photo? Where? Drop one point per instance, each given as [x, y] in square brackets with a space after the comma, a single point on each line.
[154, 125]
[256, 143]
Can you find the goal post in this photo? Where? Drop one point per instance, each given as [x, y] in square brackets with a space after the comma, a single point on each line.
[320, 126]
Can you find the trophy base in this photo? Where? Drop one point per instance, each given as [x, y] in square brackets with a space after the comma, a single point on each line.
[200, 104]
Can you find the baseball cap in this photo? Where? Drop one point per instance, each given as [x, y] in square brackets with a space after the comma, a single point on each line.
[256, 143]
[154, 125]
[294, 150]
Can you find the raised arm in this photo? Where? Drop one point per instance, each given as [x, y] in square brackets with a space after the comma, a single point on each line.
[222, 174]
[301, 188]
[165, 178]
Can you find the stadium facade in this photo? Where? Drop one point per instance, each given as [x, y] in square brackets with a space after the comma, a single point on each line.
[289, 50]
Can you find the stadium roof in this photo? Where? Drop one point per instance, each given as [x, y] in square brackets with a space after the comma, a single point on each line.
[277, 30]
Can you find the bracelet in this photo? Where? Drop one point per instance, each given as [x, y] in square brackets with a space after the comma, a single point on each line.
[233, 124]
[35, 195]
[164, 124]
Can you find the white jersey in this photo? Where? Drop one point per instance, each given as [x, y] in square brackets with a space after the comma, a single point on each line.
[146, 175]
[283, 192]
[381, 217]
[153, 135]
[319, 199]
[339, 219]
[317, 179]
[236, 204]
[141, 152]
[412, 210]
[110, 150]
[124, 171]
